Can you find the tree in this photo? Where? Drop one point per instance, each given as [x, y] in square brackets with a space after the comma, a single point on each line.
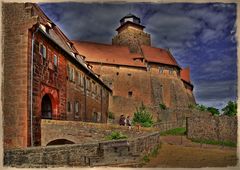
[201, 107]
[213, 110]
[143, 116]
[230, 109]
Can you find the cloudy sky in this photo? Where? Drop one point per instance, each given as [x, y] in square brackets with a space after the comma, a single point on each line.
[201, 36]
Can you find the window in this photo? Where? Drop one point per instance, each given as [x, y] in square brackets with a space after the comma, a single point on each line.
[82, 80]
[171, 71]
[69, 107]
[36, 46]
[117, 73]
[76, 107]
[55, 60]
[148, 67]
[96, 88]
[129, 74]
[160, 70]
[42, 51]
[130, 94]
[71, 73]
[79, 78]
[88, 84]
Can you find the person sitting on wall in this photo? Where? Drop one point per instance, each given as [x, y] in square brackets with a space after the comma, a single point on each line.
[128, 122]
[122, 120]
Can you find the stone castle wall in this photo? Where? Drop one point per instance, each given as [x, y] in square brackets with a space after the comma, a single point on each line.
[217, 128]
[132, 38]
[149, 87]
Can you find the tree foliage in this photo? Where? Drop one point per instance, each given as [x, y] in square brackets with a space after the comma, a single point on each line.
[213, 110]
[230, 109]
[143, 116]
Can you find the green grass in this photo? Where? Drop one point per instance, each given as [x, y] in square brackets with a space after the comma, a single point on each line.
[175, 132]
[212, 142]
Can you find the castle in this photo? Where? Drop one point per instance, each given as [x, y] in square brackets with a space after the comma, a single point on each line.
[48, 76]
[137, 72]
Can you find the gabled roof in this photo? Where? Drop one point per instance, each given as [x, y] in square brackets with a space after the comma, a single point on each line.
[185, 74]
[108, 54]
[61, 40]
[158, 55]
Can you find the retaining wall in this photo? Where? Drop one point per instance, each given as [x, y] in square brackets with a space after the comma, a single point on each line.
[108, 153]
[217, 128]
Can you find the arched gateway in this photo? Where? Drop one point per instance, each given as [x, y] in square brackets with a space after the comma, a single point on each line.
[46, 107]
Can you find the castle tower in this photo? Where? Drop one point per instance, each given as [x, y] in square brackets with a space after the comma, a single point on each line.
[131, 34]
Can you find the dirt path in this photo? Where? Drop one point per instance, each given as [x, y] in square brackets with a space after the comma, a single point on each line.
[177, 152]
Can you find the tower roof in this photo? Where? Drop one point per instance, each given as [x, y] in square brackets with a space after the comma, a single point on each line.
[130, 15]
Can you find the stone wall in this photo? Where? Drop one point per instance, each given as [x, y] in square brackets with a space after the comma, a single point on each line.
[217, 128]
[149, 87]
[17, 44]
[133, 38]
[108, 153]
[82, 132]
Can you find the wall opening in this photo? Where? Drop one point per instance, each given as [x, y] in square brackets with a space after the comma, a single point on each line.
[46, 107]
[60, 142]
[130, 93]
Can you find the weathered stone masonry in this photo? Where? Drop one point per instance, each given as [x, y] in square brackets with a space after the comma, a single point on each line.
[108, 153]
[216, 128]
[54, 94]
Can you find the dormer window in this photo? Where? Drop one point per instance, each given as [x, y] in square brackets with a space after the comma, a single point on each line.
[42, 27]
[73, 54]
[69, 44]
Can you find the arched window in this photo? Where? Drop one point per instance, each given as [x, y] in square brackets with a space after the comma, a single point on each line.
[46, 108]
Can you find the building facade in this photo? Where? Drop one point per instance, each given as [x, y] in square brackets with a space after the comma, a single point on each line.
[139, 73]
[44, 77]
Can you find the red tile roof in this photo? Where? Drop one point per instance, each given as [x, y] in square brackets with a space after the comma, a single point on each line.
[158, 55]
[185, 74]
[109, 54]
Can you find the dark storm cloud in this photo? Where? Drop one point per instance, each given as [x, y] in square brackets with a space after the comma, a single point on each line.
[201, 36]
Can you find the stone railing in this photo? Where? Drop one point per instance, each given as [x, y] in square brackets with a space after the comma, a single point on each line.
[106, 153]
[82, 132]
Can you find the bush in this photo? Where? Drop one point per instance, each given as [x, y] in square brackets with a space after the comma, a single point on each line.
[111, 115]
[230, 109]
[115, 135]
[162, 106]
[213, 110]
[143, 117]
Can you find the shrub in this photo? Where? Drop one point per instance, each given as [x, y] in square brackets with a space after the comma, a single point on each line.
[146, 158]
[213, 110]
[111, 115]
[230, 109]
[162, 106]
[143, 117]
[115, 135]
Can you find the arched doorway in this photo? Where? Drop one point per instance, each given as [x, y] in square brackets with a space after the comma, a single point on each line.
[60, 142]
[46, 108]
